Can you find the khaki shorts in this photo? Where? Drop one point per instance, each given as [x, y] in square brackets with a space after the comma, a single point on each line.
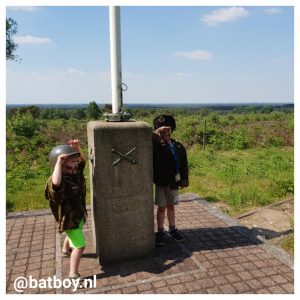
[165, 196]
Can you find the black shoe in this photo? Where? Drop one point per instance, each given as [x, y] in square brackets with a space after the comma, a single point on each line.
[176, 235]
[159, 238]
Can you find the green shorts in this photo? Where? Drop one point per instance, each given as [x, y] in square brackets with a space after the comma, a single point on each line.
[76, 237]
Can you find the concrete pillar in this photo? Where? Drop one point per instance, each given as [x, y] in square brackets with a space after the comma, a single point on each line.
[121, 189]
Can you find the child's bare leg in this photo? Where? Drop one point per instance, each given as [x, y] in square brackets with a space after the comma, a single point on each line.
[75, 260]
[160, 217]
[66, 246]
[171, 215]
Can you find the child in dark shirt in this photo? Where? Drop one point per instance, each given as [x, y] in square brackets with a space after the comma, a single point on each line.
[170, 168]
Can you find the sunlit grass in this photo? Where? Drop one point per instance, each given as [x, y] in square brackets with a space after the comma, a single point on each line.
[242, 179]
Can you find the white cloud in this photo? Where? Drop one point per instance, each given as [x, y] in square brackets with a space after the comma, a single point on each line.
[69, 71]
[196, 54]
[183, 75]
[129, 75]
[72, 71]
[273, 11]
[224, 15]
[32, 40]
[278, 60]
[23, 8]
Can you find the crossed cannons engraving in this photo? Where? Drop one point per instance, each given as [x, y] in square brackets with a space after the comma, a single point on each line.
[123, 156]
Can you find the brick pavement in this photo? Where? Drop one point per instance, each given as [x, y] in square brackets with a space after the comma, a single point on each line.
[218, 257]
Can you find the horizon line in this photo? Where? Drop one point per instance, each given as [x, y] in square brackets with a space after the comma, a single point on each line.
[156, 103]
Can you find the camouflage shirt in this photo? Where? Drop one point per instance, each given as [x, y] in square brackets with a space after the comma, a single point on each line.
[67, 202]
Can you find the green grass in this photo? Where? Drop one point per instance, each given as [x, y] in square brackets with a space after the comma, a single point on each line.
[25, 185]
[244, 165]
[242, 179]
[288, 244]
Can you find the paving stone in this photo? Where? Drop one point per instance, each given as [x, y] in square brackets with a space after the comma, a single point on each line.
[255, 284]
[267, 281]
[186, 278]
[227, 289]
[224, 270]
[230, 263]
[260, 264]
[214, 290]
[177, 289]
[276, 290]
[231, 278]
[268, 271]
[172, 281]
[257, 273]
[279, 279]
[219, 280]
[289, 276]
[160, 283]
[20, 262]
[213, 272]
[288, 287]
[163, 290]
[241, 287]
[262, 291]
[144, 287]
[130, 290]
[237, 268]
[148, 292]
[116, 291]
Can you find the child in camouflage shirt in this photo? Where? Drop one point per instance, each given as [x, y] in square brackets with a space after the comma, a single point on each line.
[66, 190]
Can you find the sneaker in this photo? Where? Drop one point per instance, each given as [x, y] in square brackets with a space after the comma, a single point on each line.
[77, 277]
[159, 238]
[176, 235]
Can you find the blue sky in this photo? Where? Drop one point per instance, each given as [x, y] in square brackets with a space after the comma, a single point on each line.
[170, 54]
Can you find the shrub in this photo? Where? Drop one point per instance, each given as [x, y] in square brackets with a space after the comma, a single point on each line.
[24, 125]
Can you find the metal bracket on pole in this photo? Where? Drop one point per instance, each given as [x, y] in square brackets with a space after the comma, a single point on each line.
[118, 117]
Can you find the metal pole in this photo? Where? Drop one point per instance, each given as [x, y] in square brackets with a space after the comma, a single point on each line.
[115, 56]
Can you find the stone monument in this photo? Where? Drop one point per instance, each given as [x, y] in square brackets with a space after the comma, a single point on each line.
[120, 156]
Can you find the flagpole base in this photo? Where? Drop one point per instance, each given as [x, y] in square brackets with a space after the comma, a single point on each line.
[118, 117]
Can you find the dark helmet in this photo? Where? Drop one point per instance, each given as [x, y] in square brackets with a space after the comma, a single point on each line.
[164, 120]
[58, 150]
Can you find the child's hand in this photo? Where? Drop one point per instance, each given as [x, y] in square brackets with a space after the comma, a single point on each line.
[164, 133]
[74, 144]
[61, 159]
[163, 129]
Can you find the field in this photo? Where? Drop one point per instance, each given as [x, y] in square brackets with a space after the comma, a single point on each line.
[245, 161]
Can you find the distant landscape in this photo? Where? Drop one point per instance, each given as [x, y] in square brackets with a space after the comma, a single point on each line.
[216, 106]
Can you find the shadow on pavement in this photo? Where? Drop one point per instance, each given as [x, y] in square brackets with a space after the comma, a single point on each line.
[174, 254]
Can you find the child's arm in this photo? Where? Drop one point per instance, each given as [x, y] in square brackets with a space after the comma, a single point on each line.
[56, 175]
[156, 135]
[184, 172]
[75, 144]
